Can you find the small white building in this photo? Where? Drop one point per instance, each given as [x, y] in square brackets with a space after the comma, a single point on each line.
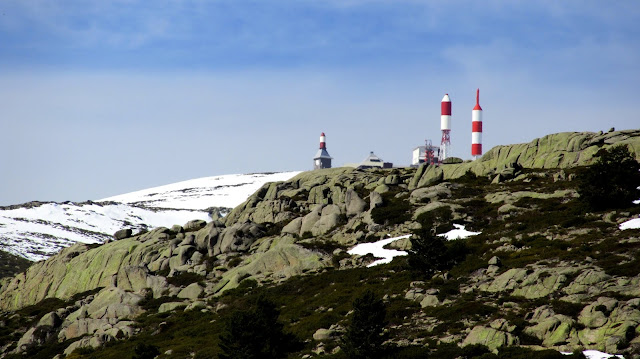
[419, 155]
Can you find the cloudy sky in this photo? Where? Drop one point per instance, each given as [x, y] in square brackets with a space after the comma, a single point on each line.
[100, 97]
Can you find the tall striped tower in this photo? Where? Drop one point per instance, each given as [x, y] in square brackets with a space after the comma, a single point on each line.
[476, 128]
[445, 126]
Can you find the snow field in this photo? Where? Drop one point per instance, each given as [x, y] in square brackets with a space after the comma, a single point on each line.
[202, 193]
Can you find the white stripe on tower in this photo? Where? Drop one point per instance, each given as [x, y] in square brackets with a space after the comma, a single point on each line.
[476, 128]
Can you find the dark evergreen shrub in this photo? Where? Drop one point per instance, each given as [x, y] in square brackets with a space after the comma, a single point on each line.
[365, 333]
[430, 253]
[256, 333]
[145, 351]
[612, 181]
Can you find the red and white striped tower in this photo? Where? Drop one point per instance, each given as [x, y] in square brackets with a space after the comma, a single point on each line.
[476, 129]
[323, 142]
[445, 126]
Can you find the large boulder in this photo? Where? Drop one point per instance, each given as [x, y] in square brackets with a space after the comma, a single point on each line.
[238, 237]
[81, 327]
[375, 200]
[309, 220]
[182, 255]
[330, 217]
[115, 303]
[35, 336]
[293, 227]
[94, 342]
[51, 319]
[590, 281]
[194, 225]
[427, 194]
[123, 233]
[355, 205]
[609, 324]
[530, 283]
[489, 337]
[171, 306]
[283, 260]
[554, 330]
[193, 291]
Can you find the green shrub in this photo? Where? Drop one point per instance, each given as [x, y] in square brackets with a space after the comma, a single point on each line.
[234, 261]
[438, 221]
[612, 181]
[145, 351]
[430, 253]
[151, 303]
[185, 278]
[392, 211]
[364, 336]
[256, 333]
[43, 307]
[324, 246]
[566, 308]
[461, 309]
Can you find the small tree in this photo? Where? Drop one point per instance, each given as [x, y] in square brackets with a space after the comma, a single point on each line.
[365, 334]
[612, 181]
[256, 333]
[430, 253]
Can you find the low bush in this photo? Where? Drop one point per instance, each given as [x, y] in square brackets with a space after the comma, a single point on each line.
[392, 211]
[185, 278]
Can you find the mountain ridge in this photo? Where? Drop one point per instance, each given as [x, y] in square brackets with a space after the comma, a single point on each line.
[542, 273]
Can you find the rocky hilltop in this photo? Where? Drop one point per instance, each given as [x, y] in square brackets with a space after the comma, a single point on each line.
[542, 273]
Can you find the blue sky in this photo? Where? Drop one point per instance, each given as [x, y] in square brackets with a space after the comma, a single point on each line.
[99, 98]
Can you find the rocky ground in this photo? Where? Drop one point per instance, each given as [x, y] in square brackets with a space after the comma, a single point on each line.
[542, 274]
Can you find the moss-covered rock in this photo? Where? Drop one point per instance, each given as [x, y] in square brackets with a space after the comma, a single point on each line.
[489, 337]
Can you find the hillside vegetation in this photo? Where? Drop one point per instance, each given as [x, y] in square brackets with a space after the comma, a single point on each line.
[548, 272]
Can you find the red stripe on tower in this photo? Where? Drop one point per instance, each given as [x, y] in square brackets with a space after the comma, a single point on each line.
[476, 128]
[323, 144]
[445, 106]
[476, 148]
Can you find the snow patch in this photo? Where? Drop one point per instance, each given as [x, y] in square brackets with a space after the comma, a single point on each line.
[594, 354]
[458, 233]
[376, 248]
[630, 224]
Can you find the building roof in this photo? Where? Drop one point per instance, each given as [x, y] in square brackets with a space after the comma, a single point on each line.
[372, 158]
[373, 161]
[322, 153]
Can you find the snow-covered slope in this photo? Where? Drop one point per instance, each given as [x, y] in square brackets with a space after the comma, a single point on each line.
[202, 193]
[38, 230]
